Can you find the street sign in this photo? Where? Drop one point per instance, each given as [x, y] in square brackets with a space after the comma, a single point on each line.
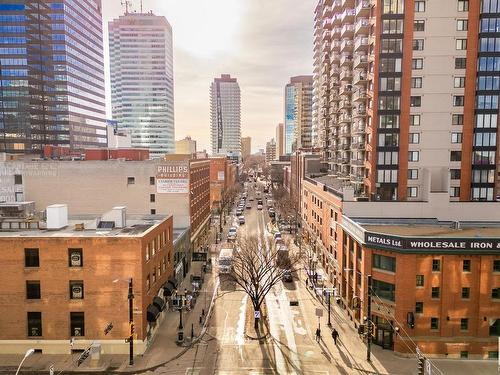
[319, 312]
[256, 314]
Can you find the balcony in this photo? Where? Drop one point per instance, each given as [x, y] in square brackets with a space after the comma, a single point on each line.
[347, 31]
[346, 45]
[357, 179]
[357, 162]
[358, 146]
[363, 8]
[362, 26]
[348, 15]
[346, 75]
[328, 24]
[346, 60]
[348, 3]
[345, 89]
[334, 82]
[334, 71]
[359, 96]
[334, 57]
[327, 11]
[336, 45]
[326, 46]
[358, 128]
[360, 61]
[336, 5]
[345, 118]
[361, 44]
[360, 78]
[326, 35]
[345, 104]
[336, 19]
[336, 32]
[359, 112]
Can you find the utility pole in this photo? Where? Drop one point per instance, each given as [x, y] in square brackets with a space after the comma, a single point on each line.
[368, 320]
[131, 321]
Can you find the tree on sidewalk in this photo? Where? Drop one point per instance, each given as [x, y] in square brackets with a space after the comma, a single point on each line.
[286, 207]
[257, 269]
[227, 201]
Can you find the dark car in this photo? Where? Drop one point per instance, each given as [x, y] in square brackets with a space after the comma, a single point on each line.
[287, 276]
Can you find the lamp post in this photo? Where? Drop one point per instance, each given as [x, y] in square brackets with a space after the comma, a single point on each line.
[130, 318]
[26, 355]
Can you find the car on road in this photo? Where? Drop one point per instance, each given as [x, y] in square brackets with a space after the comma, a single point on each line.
[287, 276]
[277, 236]
[241, 219]
[239, 211]
[259, 206]
[231, 236]
[259, 201]
[250, 199]
[249, 206]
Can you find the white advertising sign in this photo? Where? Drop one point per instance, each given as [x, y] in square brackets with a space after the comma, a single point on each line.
[172, 177]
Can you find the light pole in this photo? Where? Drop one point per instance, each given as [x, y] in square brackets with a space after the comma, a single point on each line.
[329, 308]
[369, 322]
[26, 355]
[130, 318]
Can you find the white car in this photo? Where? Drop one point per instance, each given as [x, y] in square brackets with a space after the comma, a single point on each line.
[241, 219]
[259, 207]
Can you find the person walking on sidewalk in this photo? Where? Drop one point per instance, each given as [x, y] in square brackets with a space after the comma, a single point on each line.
[318, 334]
[335, 336]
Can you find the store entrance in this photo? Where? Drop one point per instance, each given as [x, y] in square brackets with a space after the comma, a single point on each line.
[384, 333]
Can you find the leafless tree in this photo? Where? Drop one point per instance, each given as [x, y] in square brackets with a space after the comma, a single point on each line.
[257, 268]
[227, 200]
[286, 207]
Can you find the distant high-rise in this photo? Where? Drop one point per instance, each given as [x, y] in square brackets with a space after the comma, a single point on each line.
[246, 146]
[185, 146]
[52, 75]
[298, 113]
[142, 82]
[279, 140]
[225, 116]
[270, 150]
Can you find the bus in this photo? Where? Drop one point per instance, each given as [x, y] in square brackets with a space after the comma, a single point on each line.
[225, 260]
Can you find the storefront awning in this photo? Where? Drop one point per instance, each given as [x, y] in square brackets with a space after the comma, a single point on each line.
[159, 303]
[152, 313]
[168, 290]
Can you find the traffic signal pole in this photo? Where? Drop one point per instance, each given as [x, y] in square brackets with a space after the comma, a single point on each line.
[131, 321]
[369, 320]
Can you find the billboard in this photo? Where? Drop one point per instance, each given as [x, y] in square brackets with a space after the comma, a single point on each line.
[172, 177]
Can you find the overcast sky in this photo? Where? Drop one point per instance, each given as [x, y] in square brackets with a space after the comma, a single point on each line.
[260, 42]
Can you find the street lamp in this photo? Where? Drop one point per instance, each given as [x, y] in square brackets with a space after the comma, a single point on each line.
[180, 332]
[130, 318]
[26, 355]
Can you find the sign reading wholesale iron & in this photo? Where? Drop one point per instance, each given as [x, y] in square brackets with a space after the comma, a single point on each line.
[172, 177]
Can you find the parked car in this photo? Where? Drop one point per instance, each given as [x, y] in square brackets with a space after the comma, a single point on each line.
[259, 206]
[231, 236]
[249, 206]
[287, 276]
[241, 219]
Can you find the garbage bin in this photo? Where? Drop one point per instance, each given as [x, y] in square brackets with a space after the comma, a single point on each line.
[180, 336]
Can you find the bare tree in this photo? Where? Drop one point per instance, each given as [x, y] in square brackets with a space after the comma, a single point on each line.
[257, 268]
[227, 201]
[286, 207]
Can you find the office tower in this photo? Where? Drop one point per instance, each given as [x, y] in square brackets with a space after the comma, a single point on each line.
[52, 75]
[246, 146]
[298, 114]
[142, 82]
[185, 146]
[406, 96]
[225, 116]
[270, 150]
[279, 140]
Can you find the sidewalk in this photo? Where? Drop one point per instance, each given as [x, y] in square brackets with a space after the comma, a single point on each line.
[162, 349]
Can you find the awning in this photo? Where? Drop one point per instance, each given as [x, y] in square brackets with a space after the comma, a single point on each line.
[152, 314]
[173, 282]
[168, 290]
[159, 303]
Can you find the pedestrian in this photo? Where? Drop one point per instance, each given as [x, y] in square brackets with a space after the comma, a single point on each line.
[335, 336]
[318, 334]
[307, 282]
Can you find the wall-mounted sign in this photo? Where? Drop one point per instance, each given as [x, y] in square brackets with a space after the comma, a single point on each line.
[172, 177]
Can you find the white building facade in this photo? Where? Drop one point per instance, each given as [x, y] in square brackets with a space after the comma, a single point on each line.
[142, 81]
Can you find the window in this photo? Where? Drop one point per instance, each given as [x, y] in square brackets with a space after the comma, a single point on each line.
[434, 323]
[392, 26]
[152, 198]
[393, 7]
[455, 155]
[458, 100]
[33, 289]
[465, 292]
[148, 283]
[130, 180]
[153, 211]
[418, 44]
[456, 137]
[496, 265]
[75, 257]
[420, 280]
[385, 263]
[463, 5]
[415, 101]
[418, 25]
[455, 174]
[151, 180]
[77, 324]
[419, 307]
[459, 82]
[461, 44]
[414, 138]
[466, 265]
[454, 191]
[415, 120]
[457, 119]
[34, 324]
[493, 354]
[18, 179]
[416, 83]
[495, 328]
[464, 324]
[31, 258]
[412, 174]
[462, 25]
[488, 83]
[419, 6]
[76, 289]
[460, 62]
[412, 192]
[413, 156]
[464, 354]
[384, 290]
[390, 84]
[388, 121]
[436, 265]
[391, 45]
[417, 64]
[390, 65]
[495, 293]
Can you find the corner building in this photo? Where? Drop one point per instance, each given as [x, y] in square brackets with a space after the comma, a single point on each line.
[406, 92]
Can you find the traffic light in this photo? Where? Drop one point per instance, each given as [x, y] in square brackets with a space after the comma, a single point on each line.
[108, 328]
[83, 356]
[421, 365]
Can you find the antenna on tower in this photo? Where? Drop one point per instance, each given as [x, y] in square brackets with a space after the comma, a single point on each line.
[141, 6]
[126, 4]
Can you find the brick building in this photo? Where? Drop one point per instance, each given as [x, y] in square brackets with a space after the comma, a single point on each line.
[68, 278]
[435, 267]
[223, 173]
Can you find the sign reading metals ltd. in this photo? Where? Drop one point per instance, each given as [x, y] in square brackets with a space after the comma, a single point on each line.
[172, 177]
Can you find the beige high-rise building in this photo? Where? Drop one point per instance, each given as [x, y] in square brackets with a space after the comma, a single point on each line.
[270, 150]
[279, 140]
[185, 146]
[246, 146]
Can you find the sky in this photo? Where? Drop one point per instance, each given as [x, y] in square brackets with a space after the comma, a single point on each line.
[260, 42]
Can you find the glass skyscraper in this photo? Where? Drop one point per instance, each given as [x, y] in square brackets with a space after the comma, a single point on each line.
[52, 75]
[142, 82]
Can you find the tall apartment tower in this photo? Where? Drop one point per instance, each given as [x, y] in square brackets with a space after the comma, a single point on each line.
[406, 96]
[298, 113]
[279, 140]
[246, 146]
[142, 80]
[270, 150]
[52, 75]
[225, 116]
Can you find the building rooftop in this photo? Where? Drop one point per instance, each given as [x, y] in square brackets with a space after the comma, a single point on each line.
[438, 230]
